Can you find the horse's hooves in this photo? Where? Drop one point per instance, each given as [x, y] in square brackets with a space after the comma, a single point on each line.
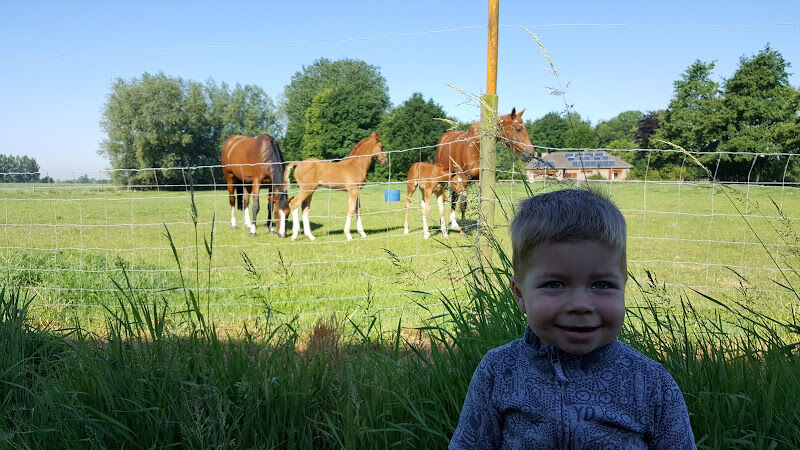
[234, 227]
[462, 233]
[252, 235]
[426, 236]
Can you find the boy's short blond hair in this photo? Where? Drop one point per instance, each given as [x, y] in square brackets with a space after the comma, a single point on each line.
[566, 215]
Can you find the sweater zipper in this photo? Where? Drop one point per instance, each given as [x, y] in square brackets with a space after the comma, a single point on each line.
[562, 379]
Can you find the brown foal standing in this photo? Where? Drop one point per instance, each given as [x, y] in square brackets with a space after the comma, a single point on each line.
[433, 179]
[348, 174]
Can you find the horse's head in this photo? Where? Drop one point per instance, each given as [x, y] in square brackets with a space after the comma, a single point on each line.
[513, 132]
[377, 149]
[459, 179]
[458, 183]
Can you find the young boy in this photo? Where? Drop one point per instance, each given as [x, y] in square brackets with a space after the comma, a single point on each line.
[569, 383]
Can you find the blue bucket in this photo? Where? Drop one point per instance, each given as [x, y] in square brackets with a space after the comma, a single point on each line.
[391, 195]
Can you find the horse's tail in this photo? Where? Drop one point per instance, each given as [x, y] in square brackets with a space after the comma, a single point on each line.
[287, 172]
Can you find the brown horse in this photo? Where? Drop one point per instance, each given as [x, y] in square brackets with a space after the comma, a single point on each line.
[247, 164]
[348, 174]
[462, 149]
[432, 179]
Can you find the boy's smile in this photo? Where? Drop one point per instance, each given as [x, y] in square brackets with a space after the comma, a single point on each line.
[573, 294]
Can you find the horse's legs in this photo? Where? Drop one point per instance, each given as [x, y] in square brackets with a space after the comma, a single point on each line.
[426, 209]
[453, 223]
[246, 206]
[351, 208]
[359, 225]
[232, 197]
[411, 186]
[306, 211]
[256, 206]
[269, 208]
[442, 221]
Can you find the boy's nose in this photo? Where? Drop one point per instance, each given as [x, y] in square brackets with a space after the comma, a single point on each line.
[579, 303]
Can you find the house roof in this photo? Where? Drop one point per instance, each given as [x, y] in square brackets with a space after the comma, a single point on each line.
[578, 161]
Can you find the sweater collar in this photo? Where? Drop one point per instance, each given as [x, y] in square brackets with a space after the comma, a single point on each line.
[535, 347]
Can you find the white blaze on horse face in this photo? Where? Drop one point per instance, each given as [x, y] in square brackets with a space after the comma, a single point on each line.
[233, 217]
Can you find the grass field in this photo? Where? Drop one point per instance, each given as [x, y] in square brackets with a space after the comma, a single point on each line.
[70, 245]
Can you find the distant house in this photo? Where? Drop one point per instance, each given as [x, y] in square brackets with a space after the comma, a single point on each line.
[579, 166]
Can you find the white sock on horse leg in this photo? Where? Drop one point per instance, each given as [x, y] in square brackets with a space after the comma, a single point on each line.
[233, 217]
[295, 223]
[247, 217]
[282, 223]
[306, 225]
[453, 223]
[347, 228]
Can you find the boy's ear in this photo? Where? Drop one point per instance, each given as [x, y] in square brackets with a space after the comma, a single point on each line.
[517, 295]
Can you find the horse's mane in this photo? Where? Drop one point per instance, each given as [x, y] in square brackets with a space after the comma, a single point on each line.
[272, 155]
[357, 149]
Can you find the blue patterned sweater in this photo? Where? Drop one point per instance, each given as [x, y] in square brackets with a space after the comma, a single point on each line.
[525, 395]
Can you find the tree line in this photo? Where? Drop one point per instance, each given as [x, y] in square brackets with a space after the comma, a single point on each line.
[156, 122]
[20, 169]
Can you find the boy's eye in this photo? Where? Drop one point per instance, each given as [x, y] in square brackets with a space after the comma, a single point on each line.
[552, 285]
[602, 285]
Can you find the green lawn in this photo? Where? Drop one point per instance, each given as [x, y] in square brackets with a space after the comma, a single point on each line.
[68, 244]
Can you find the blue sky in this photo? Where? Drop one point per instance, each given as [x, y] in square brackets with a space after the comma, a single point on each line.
[59, 59]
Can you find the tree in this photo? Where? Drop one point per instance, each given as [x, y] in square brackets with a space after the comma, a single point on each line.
[18, 169]
[336, 120]
[694, 105]
[760, 112]
[344, 77]
[412, 124]
[553, 130]
[157, 126]
[622, 127]
[645, 128]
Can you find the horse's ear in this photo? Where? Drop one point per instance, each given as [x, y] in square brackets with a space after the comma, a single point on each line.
[520, 113]
[513, 112]
[376, 134]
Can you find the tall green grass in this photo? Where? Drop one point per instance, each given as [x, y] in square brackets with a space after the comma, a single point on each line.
[162, 376]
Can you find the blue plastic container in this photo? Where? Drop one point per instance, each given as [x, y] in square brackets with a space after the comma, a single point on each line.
[391, 195]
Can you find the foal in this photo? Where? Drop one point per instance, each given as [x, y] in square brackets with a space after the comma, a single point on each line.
[433, 179]
[349, 174]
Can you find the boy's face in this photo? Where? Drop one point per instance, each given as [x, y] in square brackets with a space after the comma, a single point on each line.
[573, 294]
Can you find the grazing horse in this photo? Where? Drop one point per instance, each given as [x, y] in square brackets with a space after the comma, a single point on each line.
[348, 174]
[460, 151]
[432, 179]
[247, 164]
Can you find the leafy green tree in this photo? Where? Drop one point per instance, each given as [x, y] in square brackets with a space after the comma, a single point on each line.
[620, 127]
[345, 76]
[412, 124]
[646, 127]
[548, 131]
[18, 169]
[694, 105]
[554, 130]
[245, 110]
[165, 124]
[760, 112]
[337, 119]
